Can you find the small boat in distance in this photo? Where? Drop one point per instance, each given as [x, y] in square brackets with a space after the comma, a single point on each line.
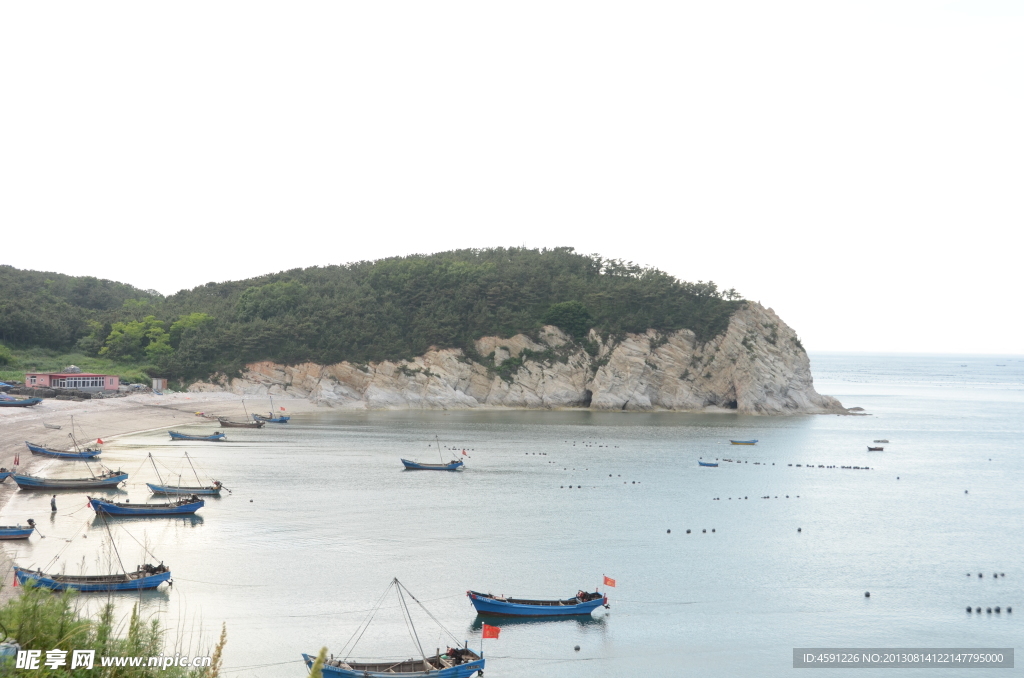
[875, 449]
[88, 453]
[879, 441]
[417, 466]
[145, 577]
[200, 489]
[184, 505]
[227, 423]
[453, 465]
[707, 463]
[15, 402]
[108, 478]
[214, 437]
[743, 442]
[582, 604]
[272, 418]
[17, 531]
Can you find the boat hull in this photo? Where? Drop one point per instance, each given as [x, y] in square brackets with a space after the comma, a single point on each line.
[184, 436]
[743, 442]
[461, 671]
[38, 449]
[173, 489]
[90, 584]
[227, 423]
[35, 483]
[16, 532]
[501, 608]
[416, 466]
[112, 509]
[704, 463]
[28, 402]
[272, 420]
[4, 476]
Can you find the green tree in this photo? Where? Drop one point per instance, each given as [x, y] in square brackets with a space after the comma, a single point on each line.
[191, 321]
[569, 316]
[136, 340]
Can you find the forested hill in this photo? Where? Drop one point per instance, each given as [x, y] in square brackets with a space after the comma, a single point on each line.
[367, 311]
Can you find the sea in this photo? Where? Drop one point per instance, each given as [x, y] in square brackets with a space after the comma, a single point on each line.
[718, 571]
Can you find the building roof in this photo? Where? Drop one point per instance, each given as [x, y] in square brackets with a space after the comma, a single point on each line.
[69, 374]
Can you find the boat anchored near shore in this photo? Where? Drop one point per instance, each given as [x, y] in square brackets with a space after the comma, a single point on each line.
[583, 603]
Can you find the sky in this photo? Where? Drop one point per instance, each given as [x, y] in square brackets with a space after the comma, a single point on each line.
[857, 166]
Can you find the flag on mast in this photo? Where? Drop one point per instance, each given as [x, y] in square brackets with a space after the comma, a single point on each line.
[491, 631]
[608, 581]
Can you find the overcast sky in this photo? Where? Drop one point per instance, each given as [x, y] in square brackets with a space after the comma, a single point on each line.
[857, 166]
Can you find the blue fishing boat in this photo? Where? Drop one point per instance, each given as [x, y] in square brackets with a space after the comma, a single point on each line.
[106, 479]
[707, 463]
[184, 505]
[15, 402]
[17, 531]
[453, 465]
[63, 454]
[4, 474]
[582, 604]
[215, 436]
[186, 489]
[743, 442]
[271, 418]
[145, 577]
[454, 662]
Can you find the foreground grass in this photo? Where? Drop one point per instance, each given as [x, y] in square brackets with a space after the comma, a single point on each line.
[46, 360]
[39, 619]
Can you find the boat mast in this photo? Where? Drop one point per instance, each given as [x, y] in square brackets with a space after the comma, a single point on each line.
[412, 629]
[155, 468]
[72, 434]
[245, 410]
[193, 469]
[112, 544]
[439, 448]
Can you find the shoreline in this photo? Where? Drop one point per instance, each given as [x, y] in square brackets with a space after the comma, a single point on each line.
[106, 419]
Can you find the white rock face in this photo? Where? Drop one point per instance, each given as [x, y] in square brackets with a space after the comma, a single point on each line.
[756, 366]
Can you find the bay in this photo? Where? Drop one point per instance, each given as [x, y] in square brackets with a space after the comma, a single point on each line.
[322, 516]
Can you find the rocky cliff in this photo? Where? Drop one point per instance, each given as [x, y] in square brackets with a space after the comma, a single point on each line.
[757, 366]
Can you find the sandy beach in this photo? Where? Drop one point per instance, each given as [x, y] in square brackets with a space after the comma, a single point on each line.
[107, 419]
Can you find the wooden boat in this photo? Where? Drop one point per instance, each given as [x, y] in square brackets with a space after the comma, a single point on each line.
[15, 402]
[200, 489]
[107, 479]
[214, 437]
[184, 505]
[879, 441]
[875, 449]
[63, 454]
[227, 423]
[438, 666]
[271, 418]
[743, 442]
[456, 662]
[17, 531]
[4, 474]
[54, 427]
[145, 577]
[582, 604]
[707, 463]
[454, 465]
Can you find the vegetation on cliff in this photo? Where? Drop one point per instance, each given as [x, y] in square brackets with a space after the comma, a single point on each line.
[366, 311]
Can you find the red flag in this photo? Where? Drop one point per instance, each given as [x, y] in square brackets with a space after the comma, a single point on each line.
[282, 409]
[464, 453]
[17, 459]
[99, 441]
[491, 631]
[608, 581]
[15, 584]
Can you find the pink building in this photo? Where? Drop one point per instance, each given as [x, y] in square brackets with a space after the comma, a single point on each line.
[80, 381]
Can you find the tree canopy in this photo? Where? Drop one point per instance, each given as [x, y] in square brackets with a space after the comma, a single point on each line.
[367, 311]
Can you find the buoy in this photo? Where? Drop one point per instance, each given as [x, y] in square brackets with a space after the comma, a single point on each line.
[704, 531]
[712, 529]
[577, 648]
[965, 491]
[799, 529]
[988, 610]
[997, 609]
[968, 609]
[1009, 609]
[670, 531]
[250, 501]
[995, 576]
[979, 575]
[978, 610]
[687, 532]
[867, 594]
[1002, 574]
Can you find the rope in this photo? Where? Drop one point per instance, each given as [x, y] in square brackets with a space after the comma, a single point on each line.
[435, 619]
[408, 620]
[346, 649]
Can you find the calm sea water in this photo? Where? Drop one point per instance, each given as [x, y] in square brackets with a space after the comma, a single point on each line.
[322, 517]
